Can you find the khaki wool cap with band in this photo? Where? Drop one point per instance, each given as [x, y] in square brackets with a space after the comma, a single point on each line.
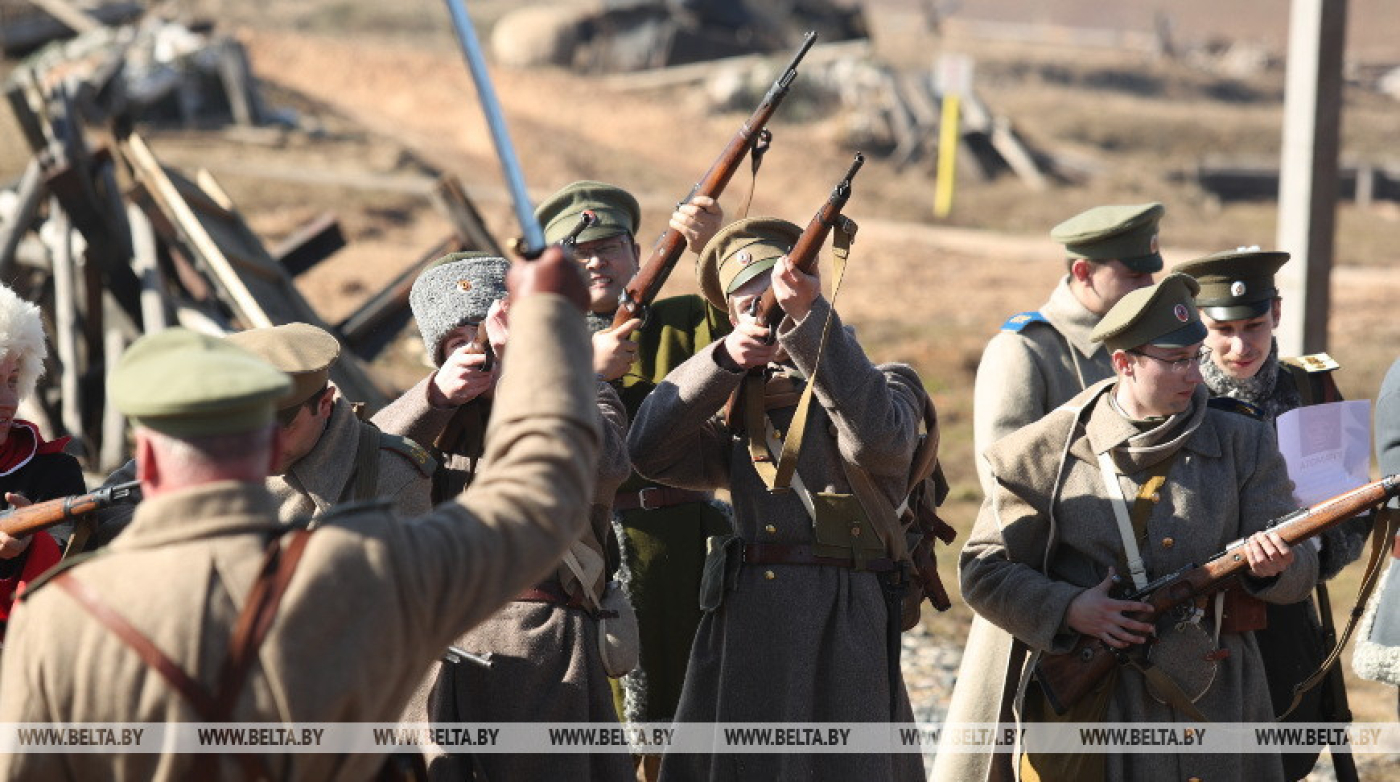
[1127, 234]
[1236, 284]
[741, 251]
[615, 211]
[305, 352]
[185, 384]
[1164, 315]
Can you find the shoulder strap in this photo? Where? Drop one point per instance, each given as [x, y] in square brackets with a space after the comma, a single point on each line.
[411, 451]
[1021, 320]
[367, 463]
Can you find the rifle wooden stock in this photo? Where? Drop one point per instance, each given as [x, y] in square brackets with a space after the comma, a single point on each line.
[804, 252]
[646, 285]
[1066, 678]
[42, 515]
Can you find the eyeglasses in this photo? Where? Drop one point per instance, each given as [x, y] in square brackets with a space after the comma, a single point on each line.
[1177, 365]
[612, 249]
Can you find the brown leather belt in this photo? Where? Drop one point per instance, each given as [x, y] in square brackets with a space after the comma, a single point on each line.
[653, 497]
[552, 592]
[801, 554]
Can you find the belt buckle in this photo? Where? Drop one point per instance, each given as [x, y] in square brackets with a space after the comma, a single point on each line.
[642, 498]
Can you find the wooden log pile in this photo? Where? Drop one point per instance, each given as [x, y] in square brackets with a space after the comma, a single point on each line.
[112, 244]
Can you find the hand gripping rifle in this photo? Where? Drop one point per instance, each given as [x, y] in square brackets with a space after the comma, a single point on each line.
[643, 289]
[804, 253]
[42, 515]
[1066, 678]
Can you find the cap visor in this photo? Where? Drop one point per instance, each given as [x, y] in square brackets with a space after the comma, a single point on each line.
[1238, 311]
[1186, 336]
[751, 271]
[1150, 264]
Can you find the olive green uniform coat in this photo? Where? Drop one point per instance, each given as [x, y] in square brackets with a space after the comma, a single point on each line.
[325, 476]
[663, 550]
[807, 644]
[1047, 534]
[545, 661]
[374, 601]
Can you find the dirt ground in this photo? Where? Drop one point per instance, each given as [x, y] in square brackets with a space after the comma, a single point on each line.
[387, 94]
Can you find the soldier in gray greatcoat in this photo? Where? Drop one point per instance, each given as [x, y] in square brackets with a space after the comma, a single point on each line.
[543, 647]
[1037, 362]
[794, 631]
[1047, 546]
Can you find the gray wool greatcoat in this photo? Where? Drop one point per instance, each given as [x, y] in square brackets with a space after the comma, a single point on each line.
[546, 665]
[1027, 373]
[1047, 534]
[806, 643]
[1377, 653]
[324, 477]
[374, 601]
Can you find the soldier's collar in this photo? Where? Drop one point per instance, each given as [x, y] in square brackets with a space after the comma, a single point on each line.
[205, 511]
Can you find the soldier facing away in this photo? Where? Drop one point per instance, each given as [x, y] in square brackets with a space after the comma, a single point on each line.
[372, 601]
[797, 623]
[1047, 545]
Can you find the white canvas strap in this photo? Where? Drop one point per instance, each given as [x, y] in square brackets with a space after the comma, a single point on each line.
[1131, 553]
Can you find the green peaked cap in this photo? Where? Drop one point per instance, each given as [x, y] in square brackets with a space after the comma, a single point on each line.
[186, 384]
[305, 352]
[1123, 233]
[1163, 314]
[615, 210]
[1236, 284]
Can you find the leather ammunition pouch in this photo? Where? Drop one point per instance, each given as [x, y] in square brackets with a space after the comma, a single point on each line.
[1243, 612]
[723, 556]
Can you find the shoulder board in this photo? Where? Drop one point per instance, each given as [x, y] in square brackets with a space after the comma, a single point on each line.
[1021, 320]
[416, 454]
[1232, 405]
[1317, 362]
[382, 505]
[62, 567]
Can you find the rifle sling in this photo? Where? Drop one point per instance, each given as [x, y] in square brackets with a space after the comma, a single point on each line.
[760, 146]
[1382, 537]
[253, 623]
[778, 478]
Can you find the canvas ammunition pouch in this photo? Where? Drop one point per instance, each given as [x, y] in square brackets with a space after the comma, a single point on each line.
[841, 529]
[724, 554]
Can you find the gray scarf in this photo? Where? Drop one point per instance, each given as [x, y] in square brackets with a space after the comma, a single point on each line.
[1134, 449]
[1263, 390]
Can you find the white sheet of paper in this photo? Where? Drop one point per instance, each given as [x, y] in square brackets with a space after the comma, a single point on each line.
[1327, 447]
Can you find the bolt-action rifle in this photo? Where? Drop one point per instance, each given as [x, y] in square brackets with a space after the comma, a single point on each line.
[643, 289]
[42, 515]
[1066, 678]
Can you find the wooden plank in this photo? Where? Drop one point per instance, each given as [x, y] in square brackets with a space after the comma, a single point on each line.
[239, 84]
[451, 197]
[66, 325]
[371, 327]
[72, 17]
[29, 193]
[19, 36]
[145, 261]
[1017, 156]
[310, 244]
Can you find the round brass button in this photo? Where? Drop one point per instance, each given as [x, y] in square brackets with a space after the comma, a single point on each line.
[855, 532]
[770, 529]
[1156, 497]
[770, 575]
[1168, 542]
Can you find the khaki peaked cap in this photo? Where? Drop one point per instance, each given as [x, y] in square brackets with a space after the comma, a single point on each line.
[741, 251]
[305, 352]
[185, 384]
[615, 211]
[1163, 314]
[1236, 284]
[1127, 234]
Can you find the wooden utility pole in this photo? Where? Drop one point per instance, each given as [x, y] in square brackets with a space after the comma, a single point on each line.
[1307, 195]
